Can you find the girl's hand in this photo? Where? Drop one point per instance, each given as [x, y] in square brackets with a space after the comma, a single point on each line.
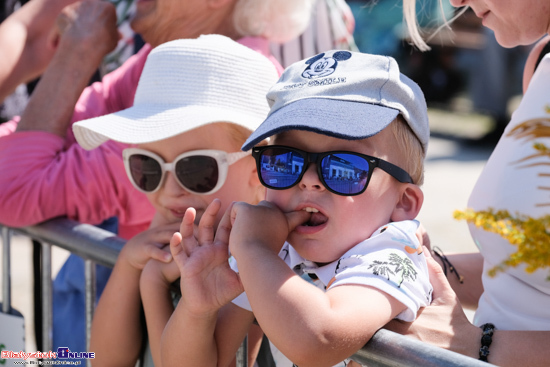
[150, 244]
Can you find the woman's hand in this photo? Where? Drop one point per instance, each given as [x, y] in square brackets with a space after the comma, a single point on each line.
[423, 237]
[87, 24]
[443, 323]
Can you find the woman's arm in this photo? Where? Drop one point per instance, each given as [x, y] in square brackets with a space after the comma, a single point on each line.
[466, 277]
[87, 32]
[26, 42]
[445, 325]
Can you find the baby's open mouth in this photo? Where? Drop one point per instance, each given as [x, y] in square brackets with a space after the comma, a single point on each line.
[317, 218]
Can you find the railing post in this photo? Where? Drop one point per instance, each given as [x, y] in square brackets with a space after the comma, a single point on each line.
[242, 353]
[6, 270]
[90, 278]
[47, 309]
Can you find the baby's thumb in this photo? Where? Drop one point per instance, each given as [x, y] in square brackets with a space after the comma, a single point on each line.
[296, 218]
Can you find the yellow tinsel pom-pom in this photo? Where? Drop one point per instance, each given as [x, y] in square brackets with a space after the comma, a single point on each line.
[530, 235]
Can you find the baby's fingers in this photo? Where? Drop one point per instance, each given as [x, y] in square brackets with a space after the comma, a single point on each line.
[224, 228]
[188, 240]
[175, 245]
[208, 221]
[186, 227]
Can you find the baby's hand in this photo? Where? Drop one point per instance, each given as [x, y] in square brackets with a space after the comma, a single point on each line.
[207, 281]
[261, 225]
[150, 244]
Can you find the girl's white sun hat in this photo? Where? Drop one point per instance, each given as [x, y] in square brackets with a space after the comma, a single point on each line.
[186, 84]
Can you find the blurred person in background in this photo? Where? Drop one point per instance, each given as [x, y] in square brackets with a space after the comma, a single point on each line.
[29, 37]
[46, 175]
[332, 27]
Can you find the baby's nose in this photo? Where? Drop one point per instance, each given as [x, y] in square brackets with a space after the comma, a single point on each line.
[310, 180]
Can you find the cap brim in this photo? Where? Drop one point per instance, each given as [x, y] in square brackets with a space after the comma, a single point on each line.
[325, 116]
[144, 124]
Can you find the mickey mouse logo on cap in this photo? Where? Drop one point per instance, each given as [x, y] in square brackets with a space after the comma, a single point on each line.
[320, 66]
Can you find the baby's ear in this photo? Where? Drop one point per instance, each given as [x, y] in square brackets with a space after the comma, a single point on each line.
[409, 204]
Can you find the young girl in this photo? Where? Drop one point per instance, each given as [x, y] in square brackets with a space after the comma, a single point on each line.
[196, 103]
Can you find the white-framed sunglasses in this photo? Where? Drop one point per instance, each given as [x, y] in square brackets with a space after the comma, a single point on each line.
[200, 172]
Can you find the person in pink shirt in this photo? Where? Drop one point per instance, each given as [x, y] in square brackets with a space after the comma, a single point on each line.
[46, 175]
[58, 185]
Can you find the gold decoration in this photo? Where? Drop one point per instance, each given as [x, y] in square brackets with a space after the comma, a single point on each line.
[530, 235]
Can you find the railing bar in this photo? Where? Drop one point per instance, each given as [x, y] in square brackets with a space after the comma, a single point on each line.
[47, 298]
[84, 240]
[90, 276]
[242, 354]
[6, 270]
[387, 348]
[384, 349]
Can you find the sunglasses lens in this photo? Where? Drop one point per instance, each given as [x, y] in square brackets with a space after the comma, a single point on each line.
[145, 171]
[344, 173]
[198, 173]
[280, 168]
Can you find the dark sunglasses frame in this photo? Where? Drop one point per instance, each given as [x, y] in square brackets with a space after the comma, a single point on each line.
[396, 172]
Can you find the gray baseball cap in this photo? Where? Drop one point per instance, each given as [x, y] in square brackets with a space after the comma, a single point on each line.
[343, 94]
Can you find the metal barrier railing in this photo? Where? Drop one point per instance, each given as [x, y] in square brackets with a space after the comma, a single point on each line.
[98, 246]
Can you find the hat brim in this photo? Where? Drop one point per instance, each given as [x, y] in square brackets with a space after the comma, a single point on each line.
[149, 123]
[325, 116]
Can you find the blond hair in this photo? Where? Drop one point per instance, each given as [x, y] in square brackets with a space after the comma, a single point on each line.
[238, 134]
[410, 19]
[277, 20]
[411, 153]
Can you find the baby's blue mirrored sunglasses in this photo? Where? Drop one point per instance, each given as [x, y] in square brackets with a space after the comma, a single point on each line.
[341, 172]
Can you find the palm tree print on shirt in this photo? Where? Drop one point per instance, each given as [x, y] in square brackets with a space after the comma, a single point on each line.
[396, 266]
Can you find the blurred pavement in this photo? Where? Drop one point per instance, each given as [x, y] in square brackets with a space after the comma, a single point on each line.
[451, 171]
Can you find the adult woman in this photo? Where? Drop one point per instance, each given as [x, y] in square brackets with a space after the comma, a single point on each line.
[513, 300]
[45, 174]
[77, 57]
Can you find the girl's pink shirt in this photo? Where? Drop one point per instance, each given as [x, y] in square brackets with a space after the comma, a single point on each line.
[44, 176]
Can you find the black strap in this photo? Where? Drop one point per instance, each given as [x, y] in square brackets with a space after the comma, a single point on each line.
[545, 50]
